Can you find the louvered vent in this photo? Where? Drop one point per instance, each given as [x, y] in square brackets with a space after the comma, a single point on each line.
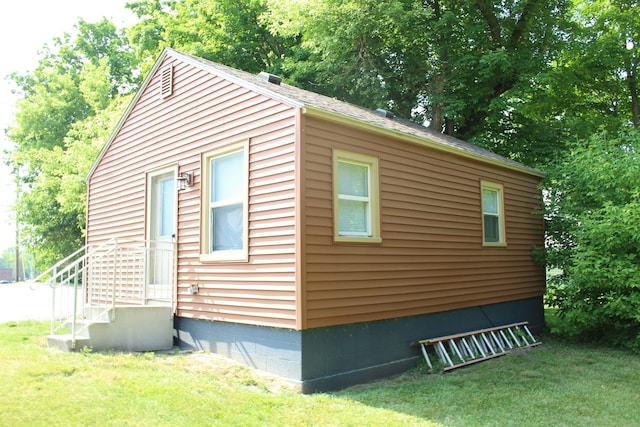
[166, 81]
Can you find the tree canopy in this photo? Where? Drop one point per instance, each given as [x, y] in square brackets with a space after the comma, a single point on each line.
[66, 110]
[464, 67]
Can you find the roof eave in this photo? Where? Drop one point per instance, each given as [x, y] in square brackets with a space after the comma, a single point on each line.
[381, 130]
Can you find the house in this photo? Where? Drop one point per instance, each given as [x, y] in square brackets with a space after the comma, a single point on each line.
[314, 239]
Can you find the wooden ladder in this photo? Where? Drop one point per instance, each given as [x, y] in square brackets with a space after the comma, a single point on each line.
[456, 351]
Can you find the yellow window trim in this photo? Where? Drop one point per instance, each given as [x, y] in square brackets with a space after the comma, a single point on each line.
[499, 188]
[235, 255]
[374, 196]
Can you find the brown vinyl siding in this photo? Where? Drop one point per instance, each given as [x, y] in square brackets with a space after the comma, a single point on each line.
[206, 112]
[431, 257]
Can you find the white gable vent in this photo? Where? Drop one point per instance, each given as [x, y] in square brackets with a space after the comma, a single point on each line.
[271, 78]
[166, 81]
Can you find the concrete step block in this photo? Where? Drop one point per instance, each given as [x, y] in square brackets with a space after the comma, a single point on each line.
[64, 342]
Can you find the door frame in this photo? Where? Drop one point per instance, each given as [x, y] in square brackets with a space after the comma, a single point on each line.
[150, 210]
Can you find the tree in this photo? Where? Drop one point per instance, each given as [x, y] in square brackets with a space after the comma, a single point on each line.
[612, 54]
[67, 102]
[593, 84]
[463, 66]
[225, 31]
[593, 237]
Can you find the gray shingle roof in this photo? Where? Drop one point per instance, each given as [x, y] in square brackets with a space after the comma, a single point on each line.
[301, 98]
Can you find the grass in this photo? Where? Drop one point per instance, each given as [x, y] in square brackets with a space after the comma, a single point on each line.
[557, 383]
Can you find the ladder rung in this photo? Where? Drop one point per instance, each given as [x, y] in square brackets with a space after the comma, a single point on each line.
[471, 362]
[504, 337]
[466, 346]
[476, 346]
[448, 337]
[496, 340]
[489, 346]
[444, 356]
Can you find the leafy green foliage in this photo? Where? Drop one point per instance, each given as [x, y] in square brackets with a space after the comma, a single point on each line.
[225, 31]
[464, 67]
[69, 105]
[593, 84]
[594, 212]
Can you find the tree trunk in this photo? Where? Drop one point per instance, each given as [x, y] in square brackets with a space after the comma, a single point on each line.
[633, 92]
[436, 89]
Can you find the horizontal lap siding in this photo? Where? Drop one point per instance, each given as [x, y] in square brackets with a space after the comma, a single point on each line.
[206, 112]
[431, 257]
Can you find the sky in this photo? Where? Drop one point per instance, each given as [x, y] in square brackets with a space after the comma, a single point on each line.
[25, 27]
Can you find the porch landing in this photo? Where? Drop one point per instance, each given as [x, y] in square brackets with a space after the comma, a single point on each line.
[123, 328]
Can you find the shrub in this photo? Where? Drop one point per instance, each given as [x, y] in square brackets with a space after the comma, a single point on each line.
[594, 237]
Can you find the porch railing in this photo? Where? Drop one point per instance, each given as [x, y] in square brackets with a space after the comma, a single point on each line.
[89, 283]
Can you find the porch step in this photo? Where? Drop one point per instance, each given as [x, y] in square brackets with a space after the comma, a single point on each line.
[455, 351]
[132, 328]
[65, 343]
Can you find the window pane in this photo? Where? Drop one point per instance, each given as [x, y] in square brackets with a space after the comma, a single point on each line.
[226, 227]
[491, 229]
[167, 194]
[353, 180]
[227, 180]
[490, 201]
[353, 217]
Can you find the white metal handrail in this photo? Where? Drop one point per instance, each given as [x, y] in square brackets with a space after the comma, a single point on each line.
[120, 271]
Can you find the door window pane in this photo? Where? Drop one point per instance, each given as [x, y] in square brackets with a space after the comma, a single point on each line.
[167, 203]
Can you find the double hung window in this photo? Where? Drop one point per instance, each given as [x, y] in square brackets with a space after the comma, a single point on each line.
[356, 201]
[224, 204]
[493, 230]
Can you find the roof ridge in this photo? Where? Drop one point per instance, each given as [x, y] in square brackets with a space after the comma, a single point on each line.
[312, 101]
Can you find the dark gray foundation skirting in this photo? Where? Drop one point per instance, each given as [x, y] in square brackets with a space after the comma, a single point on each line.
[336, 357]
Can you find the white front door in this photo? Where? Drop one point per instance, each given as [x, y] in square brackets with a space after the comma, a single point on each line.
[161, 234]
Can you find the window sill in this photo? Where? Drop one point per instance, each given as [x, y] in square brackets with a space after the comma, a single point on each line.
[494, 245]
[356, 239]
[225, 256]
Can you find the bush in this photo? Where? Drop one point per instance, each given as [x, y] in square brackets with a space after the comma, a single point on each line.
[594, 237]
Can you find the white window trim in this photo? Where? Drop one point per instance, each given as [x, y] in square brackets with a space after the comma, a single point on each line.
[237, 255]
[499, 188]
[373, 199]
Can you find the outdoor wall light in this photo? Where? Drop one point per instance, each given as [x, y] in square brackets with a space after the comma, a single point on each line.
[193, 289]
[184, 180]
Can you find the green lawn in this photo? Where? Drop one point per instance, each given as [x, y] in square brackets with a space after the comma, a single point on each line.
[554, 384]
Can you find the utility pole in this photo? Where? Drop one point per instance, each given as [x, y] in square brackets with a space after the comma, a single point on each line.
[17, 252]
[17, 277]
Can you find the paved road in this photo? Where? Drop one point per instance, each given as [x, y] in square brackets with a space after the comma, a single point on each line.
[23, 301]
